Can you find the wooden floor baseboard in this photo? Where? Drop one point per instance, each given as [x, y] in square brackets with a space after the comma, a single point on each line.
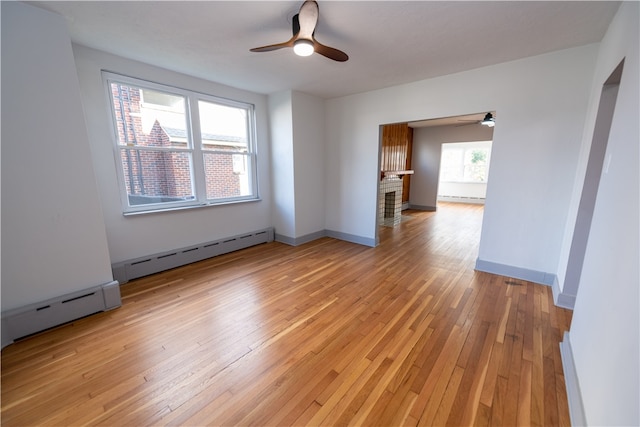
[325, 333]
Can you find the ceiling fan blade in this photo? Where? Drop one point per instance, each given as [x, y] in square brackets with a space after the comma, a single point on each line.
[276, 46]
[289, 43]
[308, 18]
[329, 52]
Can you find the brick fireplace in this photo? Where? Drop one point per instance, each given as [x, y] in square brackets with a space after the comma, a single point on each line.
[390, 200]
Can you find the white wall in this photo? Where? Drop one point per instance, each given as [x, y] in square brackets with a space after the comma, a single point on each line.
[135, 236]
[282, 162]
[309, 152]
[427, 144]
[465, 190]
[425, 162]
[605, 331]
[53, 235]
[297, 164]
[541, 102]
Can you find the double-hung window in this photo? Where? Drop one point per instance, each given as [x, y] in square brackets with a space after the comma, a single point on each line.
[177, 148]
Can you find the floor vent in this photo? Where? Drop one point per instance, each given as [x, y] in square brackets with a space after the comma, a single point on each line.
[144, 266]
[512, 283]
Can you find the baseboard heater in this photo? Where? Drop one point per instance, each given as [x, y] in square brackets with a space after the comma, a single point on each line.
[466, 199]
[33, 318]
[461, 197]
[144, 266]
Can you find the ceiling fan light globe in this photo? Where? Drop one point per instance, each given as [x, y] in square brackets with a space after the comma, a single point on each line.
[303, 47]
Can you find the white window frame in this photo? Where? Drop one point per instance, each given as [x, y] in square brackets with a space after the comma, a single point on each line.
[194, 147]
[465, 147]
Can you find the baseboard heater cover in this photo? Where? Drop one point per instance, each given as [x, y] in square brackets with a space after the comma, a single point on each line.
[33, 318]
[462, 199]
[144, 266]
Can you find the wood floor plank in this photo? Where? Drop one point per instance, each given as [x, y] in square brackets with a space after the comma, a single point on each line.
[491, 378]
[444, 408]
[498, 404]
[444, 364]
[288, 414]
[524, 396]
[397, 409]
[325, 333]
[483, 417]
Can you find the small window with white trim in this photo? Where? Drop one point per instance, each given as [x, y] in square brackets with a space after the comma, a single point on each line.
[465, 162]
[178, 148]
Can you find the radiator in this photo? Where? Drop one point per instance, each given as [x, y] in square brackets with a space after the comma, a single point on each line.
[144, 266]
[28, 320]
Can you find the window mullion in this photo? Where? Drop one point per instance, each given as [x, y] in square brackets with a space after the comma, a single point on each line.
[198, 161]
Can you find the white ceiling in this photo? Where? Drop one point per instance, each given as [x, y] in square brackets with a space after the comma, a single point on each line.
[388, 42]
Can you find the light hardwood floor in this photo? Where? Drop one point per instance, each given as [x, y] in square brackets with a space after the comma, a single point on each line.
[327, 333]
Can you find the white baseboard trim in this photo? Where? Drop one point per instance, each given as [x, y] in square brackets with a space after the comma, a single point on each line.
[351, 238]
[296, 241]
[561, 299]
[574, 397]
[422, 208]
[534, 276]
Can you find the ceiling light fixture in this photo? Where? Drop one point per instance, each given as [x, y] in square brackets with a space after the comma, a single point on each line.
[303, 47]
[303, 41]
[488, 120]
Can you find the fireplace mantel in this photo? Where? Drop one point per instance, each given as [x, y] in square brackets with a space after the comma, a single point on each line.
[395, 173]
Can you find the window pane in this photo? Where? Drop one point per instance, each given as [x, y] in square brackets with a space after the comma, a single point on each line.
[161, 166]
[451, 164]
[154, 176]
[475, 164]
[149, 118]
[223, 128]
[465, 161]
[226, 175]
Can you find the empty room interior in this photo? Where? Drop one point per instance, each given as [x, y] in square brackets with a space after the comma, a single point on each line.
[320, 213]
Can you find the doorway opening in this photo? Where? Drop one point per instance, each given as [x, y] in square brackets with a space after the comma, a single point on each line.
[410, 156]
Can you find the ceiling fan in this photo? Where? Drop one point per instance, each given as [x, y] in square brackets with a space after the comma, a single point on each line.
[488, 120]
[303, 41]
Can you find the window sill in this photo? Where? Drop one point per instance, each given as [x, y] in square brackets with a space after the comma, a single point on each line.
[189, 207]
